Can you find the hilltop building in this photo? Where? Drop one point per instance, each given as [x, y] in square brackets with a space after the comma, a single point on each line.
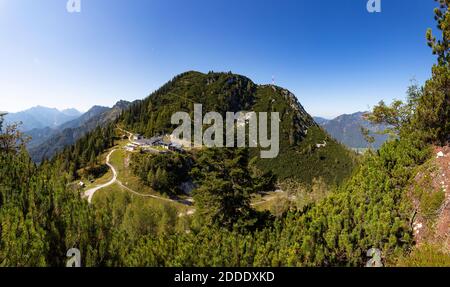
[150, 144]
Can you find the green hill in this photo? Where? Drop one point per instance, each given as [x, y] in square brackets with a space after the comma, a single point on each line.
[299, 156]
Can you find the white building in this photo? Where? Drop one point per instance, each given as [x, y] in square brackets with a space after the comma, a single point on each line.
[137, 137]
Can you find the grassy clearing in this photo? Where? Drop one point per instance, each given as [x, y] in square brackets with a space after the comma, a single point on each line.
[275, 202]
[119, 159]
[101, 180]
[125, 198]
[426, 255]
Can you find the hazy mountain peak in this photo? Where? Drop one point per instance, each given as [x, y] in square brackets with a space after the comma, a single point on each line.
[39, 117]
[71, 112]
[67, 133]
[346, 129]
[122, 104]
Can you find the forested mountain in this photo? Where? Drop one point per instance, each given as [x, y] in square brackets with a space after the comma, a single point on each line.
[46, 145]
[43, 213]
[227, 92]
[93, 112]
[346, 129]
[41, 117]
[39, 136]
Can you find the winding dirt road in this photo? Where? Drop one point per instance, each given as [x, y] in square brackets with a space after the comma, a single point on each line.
[90, 193]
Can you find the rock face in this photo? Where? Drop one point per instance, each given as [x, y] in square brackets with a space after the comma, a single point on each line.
[433, 225]
[443, 180]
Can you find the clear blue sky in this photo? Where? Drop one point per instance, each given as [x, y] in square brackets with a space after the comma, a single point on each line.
[335, 56]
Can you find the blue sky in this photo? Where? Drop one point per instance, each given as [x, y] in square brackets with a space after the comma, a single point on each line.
[335, 56]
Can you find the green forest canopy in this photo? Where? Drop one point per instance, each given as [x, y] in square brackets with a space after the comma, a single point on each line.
[41, 218]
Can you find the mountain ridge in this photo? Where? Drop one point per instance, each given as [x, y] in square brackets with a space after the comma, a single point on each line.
[41, 117]
[346, 129]
[227, 92]
[68, 133]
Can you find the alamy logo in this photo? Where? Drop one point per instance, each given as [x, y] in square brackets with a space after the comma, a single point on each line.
[374, 6]
[73, 6]
[375, 258]
[74, 258]
[235, 130]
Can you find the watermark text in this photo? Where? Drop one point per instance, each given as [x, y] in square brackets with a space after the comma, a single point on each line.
[235, 130]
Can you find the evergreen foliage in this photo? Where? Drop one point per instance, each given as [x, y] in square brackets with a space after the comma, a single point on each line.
[227, 92]
[42, 216]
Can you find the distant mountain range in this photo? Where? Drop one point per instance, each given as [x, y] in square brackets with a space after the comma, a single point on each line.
[347, 130]
[51, 130]
[49, 144]
[41, 117]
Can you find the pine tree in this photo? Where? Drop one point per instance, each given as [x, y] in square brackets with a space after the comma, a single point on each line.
[433, 111]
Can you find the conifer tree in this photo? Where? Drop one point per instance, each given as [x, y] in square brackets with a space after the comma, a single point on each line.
[433, 111]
